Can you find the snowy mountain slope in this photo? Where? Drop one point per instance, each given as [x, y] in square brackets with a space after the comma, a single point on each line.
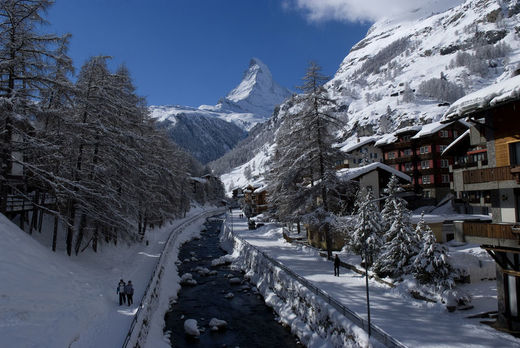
[221, 126]
[206, 138]
[408, 69]
[251, 102]
[403, 69]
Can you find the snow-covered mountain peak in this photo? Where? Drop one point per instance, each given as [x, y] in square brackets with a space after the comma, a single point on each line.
[256, 77]
[257, 93]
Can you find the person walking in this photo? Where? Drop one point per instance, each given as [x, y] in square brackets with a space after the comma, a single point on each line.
[336, 265]
[121, 292]
[129, 291]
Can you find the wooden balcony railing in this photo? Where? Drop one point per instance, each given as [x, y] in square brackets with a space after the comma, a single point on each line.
[487, 230]
[487, 175]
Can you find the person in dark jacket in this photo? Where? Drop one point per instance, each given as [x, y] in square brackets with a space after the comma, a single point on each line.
[336, 265]
[121, 292]
[129, 291]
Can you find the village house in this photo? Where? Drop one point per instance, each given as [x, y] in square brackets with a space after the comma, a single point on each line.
[374, 176]
[486, 176]
[360, 151]
[416, 151]
[255, 199]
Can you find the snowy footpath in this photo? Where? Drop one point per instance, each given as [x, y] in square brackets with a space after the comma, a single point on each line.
[415, 323]
[51, 300]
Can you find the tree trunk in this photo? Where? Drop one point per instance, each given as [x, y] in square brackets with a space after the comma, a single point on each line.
[40, 219]
[55, 233]
[81, 232]
[70, 227]
[298, 226]
[34, 217]
[95, 239]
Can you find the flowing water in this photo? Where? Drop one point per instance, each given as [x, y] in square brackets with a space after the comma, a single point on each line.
[250, 322]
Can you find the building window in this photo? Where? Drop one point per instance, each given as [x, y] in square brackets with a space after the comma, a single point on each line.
[375, 155]
[445, 163]
[427, 194]
[444, 133]
[426, 179]
[455, 134]
[424, 149]
[445, 178]
[407, 152]
[425, 164]
[514, 153]
[391, 155]
[442, 148]
[408, 167]
[406, 138]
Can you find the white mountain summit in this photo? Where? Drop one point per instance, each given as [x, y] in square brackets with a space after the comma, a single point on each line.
[257, 93]
[209, 131]
[251, 102]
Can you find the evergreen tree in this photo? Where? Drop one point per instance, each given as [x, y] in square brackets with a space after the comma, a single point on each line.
[395, 259]
[431, 264]
[367, 235]
[303, 166]
[389, 211]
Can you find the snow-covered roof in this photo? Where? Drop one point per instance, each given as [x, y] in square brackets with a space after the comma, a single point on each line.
[386, 139]
[455, 142]
[485, 98]
[354, 143]
[197, 179]
[353, 173]
[430, 128]
[408, 129]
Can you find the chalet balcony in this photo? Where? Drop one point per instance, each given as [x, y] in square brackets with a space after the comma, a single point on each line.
[487, 175]
[471, 164]
[504, 231]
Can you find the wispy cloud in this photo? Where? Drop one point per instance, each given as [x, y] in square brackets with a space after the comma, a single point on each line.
[365, 10]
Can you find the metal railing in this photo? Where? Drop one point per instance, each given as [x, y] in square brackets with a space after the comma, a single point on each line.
[376, 331]
[151, 293]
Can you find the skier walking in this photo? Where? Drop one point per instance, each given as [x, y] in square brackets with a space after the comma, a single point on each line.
[129, 291]
[336, 265]
[121, 292]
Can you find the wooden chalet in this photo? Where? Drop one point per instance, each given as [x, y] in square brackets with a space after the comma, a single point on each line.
[416, 151]
[255, 196]
[486, 176]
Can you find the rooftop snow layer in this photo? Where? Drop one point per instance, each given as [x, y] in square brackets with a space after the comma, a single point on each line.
[356, 142]
[485, 98]
[353, 173]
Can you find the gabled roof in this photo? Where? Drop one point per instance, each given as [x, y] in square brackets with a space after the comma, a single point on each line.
[354, 173]
[355, 143]
[484, 98]
[434, 127]
[455, 142]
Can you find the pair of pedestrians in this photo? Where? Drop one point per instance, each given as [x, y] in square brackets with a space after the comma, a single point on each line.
[126, 292]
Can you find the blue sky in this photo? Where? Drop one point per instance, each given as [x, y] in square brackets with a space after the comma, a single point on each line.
[193, 52]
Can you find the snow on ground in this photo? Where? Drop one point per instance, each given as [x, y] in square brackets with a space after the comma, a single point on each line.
[51, 300]
[413, 322]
